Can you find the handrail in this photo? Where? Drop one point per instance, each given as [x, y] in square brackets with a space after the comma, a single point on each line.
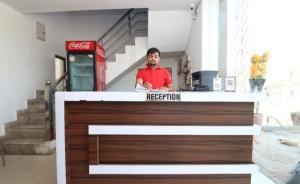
[49, 92]
[57, 82]
[123, 29]
[115, 33]
[115, 24]
[112, 53]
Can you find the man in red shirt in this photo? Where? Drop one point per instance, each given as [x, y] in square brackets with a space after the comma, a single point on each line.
[154, 77]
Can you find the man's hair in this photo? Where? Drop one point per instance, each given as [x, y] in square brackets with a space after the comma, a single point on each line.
[153, 50]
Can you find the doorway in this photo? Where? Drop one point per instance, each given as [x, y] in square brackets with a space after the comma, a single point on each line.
[60, 69]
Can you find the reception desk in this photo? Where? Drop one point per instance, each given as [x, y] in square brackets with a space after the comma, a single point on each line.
[155, 138]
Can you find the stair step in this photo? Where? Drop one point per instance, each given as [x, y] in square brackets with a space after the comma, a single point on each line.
[36, 105]
[15, 141]
[37, 108]
[32, 117]
[35, 101]
[37, 118]
[10, 124]
[22, 115]
[132, 56]
[40, 94]
[17, 146]
[26, 131]
[29, 126]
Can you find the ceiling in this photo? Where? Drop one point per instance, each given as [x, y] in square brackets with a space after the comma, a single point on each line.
[43, 6]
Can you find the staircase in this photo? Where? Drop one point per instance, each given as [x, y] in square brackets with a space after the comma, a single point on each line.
[133, 54]
[125, 43]
[30, 133]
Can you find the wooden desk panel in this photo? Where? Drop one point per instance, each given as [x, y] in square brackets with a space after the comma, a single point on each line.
[150, 113]
[140, 149]
[170, 149]
[183, 179]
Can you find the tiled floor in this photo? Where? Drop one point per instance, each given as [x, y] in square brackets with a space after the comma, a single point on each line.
[28, 170]
[275, 159]
[259, 178]
[41, 170]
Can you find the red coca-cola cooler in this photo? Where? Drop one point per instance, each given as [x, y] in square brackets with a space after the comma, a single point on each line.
[86, 66]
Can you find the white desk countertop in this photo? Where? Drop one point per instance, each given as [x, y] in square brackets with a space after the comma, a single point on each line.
[141, 96]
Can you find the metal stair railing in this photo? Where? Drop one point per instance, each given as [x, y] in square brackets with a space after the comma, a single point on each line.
[49, 97]
[133, 23]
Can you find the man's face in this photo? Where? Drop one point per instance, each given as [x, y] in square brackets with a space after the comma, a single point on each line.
[153, 59]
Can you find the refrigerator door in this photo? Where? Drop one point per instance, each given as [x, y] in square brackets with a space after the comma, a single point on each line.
[81, 71]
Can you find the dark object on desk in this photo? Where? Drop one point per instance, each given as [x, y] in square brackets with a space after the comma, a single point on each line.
[202, 88]
[196, 88]
[203, 80]
[187, 89]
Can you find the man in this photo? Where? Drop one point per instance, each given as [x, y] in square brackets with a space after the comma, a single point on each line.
[154, 77]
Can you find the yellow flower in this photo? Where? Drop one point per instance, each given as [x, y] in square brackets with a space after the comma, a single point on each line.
[263, 67]
[255, 58]
[265, 57]
[258, 68]
[255, 71]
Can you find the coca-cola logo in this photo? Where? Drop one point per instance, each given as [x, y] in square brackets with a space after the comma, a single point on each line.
[100, 52]
[80, 45]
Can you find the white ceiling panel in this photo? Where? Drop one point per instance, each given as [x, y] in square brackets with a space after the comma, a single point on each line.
[43, 6]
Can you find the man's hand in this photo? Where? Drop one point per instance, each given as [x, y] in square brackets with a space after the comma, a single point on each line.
[148, 85]
[163, 89]
[169, 88]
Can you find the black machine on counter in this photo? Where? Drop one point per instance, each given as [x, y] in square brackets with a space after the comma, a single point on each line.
[203, 80]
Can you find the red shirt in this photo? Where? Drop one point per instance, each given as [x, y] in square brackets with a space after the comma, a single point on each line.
[158, 77]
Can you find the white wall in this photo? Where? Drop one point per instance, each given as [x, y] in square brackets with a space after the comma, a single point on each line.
[127, 83]
[194, 50]
[204, 38]
[223, 39]
[169, 30]
[93, 24]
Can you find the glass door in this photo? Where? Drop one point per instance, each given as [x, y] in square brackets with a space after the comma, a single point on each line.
[81, 71]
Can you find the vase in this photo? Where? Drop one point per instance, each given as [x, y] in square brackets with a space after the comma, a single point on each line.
[258, 118]
[295, 116]
[260, 84]
[252, 84]
[256, 85]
